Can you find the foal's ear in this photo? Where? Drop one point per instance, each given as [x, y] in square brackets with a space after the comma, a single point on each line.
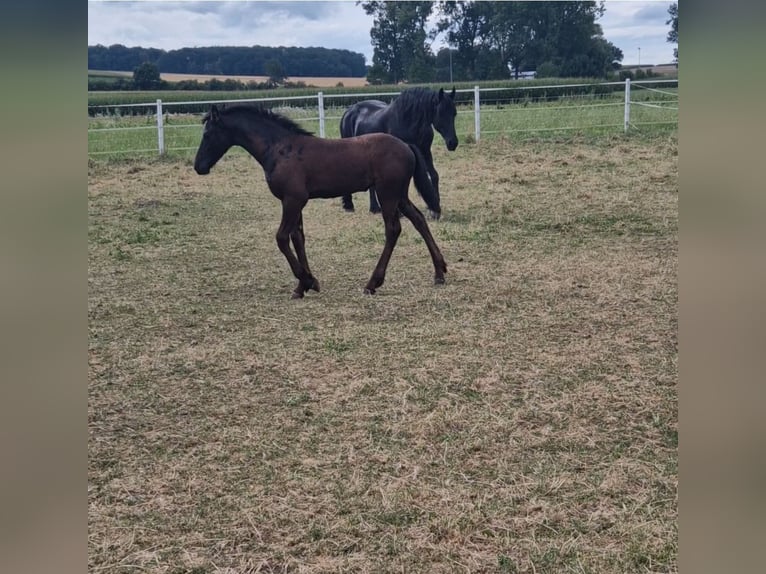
[214, 113]
[441, 94]
[452, 95]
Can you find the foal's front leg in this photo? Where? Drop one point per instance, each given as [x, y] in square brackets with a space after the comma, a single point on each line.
[374, 205]
[299, 242]
[291, 216]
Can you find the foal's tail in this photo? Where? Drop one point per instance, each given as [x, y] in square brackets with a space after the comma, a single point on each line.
[423, 183]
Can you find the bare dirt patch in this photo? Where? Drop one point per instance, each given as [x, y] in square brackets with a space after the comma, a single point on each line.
[521, 418]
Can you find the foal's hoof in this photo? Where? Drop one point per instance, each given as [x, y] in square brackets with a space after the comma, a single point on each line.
[301, 289]
[373, 284]
[439, 280]
[375, 210]
[348, 208]
[435, 215]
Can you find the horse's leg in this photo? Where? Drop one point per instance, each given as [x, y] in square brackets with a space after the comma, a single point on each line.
[416, 217]
[291, 214]
[374, 205]
[348, 203]
[434, 179]
[393, 229]
[299, 242]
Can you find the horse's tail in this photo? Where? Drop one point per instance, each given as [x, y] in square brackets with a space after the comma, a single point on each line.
[346, 124]
[423, 183]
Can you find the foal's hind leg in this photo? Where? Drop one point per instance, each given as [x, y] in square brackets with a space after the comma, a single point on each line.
[393, 229]
[416, 217]
[291, 215]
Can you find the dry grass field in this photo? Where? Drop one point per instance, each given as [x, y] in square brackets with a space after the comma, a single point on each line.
[319, 82]
[521, 418]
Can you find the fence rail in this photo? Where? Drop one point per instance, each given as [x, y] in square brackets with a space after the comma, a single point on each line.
[494, 111]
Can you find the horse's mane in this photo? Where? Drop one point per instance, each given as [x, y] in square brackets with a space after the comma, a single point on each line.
[415, 104]
[261, 113]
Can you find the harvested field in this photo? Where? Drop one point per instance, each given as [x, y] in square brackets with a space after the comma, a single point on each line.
[521, 418]
[319, 82]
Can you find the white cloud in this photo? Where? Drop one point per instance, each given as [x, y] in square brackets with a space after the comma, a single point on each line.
[639, 24]
[344, 25]
[173, 25]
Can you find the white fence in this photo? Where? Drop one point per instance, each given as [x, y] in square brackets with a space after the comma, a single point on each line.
[489, 111]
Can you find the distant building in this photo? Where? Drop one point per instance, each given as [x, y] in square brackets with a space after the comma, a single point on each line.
[524, 75]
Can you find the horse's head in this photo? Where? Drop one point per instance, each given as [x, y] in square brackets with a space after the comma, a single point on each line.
[216, 141]
[444, 119]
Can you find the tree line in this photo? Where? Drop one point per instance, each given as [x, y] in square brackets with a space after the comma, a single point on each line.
[147, 77]
[232, 60]
[488, 40]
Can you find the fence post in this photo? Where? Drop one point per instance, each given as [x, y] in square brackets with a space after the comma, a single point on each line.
[160, 129]
[320, 97]
[476, 114]
[627, 104]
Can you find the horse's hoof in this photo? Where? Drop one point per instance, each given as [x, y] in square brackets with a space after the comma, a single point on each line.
[315, 285]
[434, 215]
[348, 209]
[375, 211]
[438, 280]
[296, 295]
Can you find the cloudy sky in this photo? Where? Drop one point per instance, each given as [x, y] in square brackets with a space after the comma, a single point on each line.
[636, 27]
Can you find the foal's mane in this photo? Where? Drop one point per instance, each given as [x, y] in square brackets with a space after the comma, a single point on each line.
[259, 113]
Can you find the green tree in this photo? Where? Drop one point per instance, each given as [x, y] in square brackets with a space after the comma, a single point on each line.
[147, 77]
[493, 38]
[230, 60]
[509, 32]
[673, 21]
[398, 36]
[567, 34]
[275, 71]
[465, 24]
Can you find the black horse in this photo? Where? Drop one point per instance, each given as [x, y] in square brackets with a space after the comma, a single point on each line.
[410, 117]
[299, 167]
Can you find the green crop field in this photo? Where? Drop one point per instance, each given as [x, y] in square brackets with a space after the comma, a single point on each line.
[521, 418]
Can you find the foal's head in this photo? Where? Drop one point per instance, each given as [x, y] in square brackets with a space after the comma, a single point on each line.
[217, 138]
[237, 124]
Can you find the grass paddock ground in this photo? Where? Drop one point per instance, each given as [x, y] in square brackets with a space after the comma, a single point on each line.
[520, 418]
